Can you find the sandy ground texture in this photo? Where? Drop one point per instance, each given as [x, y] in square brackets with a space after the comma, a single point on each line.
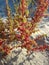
[20, 57]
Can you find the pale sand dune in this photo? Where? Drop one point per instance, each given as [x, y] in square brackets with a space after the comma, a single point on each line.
[20, 57]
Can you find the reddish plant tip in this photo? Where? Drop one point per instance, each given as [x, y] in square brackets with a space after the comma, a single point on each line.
[1, 42]
[41, 48]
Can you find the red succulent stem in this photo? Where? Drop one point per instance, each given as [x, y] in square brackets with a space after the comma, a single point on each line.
[23, 7]
[41, 48]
